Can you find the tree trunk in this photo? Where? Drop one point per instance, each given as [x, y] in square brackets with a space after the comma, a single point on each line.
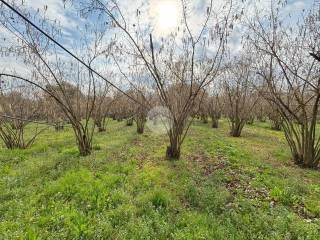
[276, 125]
[215, 122]
[140, 121]
[101, 129]
[85, 146]
[204, 118]
[306, 158]
[250, 121]
[303, 143]
[129, 121]
[59, 127]
[13, 138]
[140, 126]
[236, 127]
[173, 151]
[262, 119]
[140, 130]
[83, 140]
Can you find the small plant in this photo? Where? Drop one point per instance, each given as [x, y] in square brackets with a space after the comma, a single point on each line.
[160, 199]
[284, 195]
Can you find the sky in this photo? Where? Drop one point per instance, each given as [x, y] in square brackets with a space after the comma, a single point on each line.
[160, 14]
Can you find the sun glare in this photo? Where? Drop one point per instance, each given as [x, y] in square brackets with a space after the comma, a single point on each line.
[167, 15]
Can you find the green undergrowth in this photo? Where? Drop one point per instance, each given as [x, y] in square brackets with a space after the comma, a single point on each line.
[222, 188]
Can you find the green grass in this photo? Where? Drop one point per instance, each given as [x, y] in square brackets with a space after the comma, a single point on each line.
[222, 188]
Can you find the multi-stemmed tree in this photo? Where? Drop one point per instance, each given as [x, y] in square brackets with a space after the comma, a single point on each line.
[70, 86]
[287, 62]
[215, 107]
[141, 110]
[180, 65]
[101, 112]
[240, 96]
[19, 106]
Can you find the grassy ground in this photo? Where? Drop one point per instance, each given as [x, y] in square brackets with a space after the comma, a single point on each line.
[222, 188]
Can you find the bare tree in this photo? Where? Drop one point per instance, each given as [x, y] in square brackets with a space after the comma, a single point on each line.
[274, 117]
[19, 106]
[179, 65]
[53, 113]
[203, 108]
[101, 112]
[141, 110]
[215, 109]
[102, 107]
[292, 77]
[260, 110]
[121, 109]
[239, 94]
[71, 87]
